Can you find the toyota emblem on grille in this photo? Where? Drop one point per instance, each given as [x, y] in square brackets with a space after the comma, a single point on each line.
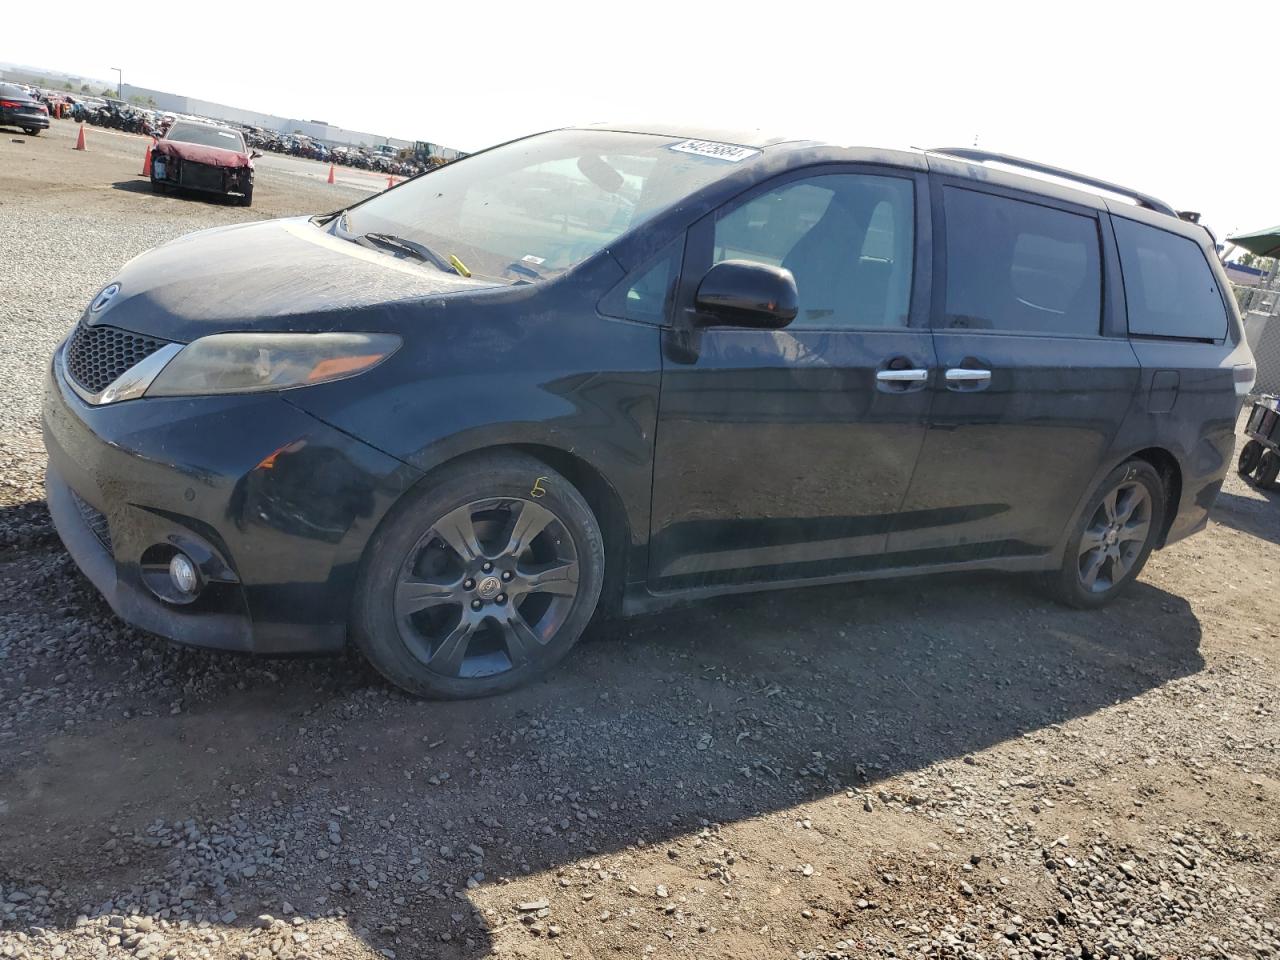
[105, 297]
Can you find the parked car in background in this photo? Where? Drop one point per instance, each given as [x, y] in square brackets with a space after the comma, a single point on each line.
[20, 109]
[617, 368]
[204, 157]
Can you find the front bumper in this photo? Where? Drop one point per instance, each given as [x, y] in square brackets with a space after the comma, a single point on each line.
[188, 175]
[274, 506]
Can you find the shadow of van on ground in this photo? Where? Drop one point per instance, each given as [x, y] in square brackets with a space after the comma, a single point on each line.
[204, 787]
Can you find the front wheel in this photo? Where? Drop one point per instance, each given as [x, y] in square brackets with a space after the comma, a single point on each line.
[33, 131]
[1113, 537]
[481, 581]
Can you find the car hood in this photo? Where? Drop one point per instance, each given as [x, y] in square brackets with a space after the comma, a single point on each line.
[276, 275]
[198, 153]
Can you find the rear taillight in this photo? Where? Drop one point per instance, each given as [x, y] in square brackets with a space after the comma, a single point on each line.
[1245, 375]
[10, 104]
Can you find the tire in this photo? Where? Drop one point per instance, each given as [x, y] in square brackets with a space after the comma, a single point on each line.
[247, 199]
[435, 622]
[33, 131]
[157, 186]
[1113, 537]
[1250, 456]
[1264, 474]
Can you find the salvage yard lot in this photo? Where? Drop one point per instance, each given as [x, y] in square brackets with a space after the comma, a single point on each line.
[935, 767]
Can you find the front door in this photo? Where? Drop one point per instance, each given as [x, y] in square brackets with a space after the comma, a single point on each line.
[1035, 375]
[783, 455]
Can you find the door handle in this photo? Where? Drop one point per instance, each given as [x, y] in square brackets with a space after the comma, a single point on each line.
[967, 378]
[903, 376]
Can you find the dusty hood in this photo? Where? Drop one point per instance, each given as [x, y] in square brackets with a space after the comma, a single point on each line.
[198, 153]
[283, 275]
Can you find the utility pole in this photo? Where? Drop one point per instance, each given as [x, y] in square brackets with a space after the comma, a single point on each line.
[119, 83]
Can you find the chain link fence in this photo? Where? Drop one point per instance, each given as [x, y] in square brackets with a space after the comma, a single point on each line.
[1259, 307]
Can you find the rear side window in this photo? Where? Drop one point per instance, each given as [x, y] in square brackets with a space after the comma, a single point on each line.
[1020, 267]
[1168, 286]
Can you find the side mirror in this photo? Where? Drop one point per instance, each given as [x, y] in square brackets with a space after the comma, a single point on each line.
[741, 293]
[254, 155]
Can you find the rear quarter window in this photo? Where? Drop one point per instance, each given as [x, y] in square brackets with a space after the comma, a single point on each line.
[1169, 288]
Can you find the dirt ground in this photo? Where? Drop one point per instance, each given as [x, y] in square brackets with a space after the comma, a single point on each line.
[940, 767]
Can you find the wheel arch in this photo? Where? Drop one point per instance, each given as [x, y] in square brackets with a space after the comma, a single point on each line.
[606, 503]
[1165, 464]
[601, 495]
[1163, 461]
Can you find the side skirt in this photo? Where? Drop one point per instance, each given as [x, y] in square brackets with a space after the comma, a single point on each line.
[639, 598]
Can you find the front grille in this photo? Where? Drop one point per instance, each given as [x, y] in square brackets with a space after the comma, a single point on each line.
[97, 356]
[94, 520]
[200, 176]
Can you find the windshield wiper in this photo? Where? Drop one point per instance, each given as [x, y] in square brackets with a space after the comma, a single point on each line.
[415, 249]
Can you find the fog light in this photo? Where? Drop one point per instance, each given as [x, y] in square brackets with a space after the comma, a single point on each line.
[183, 574]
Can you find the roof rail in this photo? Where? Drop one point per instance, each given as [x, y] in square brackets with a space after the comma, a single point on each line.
[984, 156]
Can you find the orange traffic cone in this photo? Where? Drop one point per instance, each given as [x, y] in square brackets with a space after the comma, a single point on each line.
[331, 173]
[80, 140]
[391, 182]
[146, 161]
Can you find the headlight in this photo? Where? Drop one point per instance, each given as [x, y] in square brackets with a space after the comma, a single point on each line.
[249, 362]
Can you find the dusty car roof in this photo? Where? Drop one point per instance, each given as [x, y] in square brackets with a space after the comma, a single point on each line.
[742, 136]
[1073, 188]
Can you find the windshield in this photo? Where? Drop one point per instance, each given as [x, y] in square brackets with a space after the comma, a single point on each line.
[539, 206]
[206, 136]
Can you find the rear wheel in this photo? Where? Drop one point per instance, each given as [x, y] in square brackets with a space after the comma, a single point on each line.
[1264, 474]
[33, 131]
[1250, 456]
[1113, 538]
[482, 581]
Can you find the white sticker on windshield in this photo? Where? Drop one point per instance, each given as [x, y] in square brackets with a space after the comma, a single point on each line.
[530, 258]
[225, 133]
[717, 151]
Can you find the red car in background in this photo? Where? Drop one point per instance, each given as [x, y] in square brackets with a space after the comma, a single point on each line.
[205, 157]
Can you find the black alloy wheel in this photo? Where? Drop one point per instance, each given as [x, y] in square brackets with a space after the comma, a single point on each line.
[1112, 538]
[1115, 537]
[486, 587]
[481, 579]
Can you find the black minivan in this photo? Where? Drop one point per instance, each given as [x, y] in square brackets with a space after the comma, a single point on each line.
[604, 369]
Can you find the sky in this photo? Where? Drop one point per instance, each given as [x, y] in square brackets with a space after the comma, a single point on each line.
[1167, 97]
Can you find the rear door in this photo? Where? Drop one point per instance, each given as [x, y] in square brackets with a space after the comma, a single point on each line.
[783, 455]
[1035, 374]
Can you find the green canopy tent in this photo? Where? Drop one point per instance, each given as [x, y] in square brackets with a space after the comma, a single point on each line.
[1264, 243]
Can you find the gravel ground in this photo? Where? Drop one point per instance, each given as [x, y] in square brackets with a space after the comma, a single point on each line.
[942, 767]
